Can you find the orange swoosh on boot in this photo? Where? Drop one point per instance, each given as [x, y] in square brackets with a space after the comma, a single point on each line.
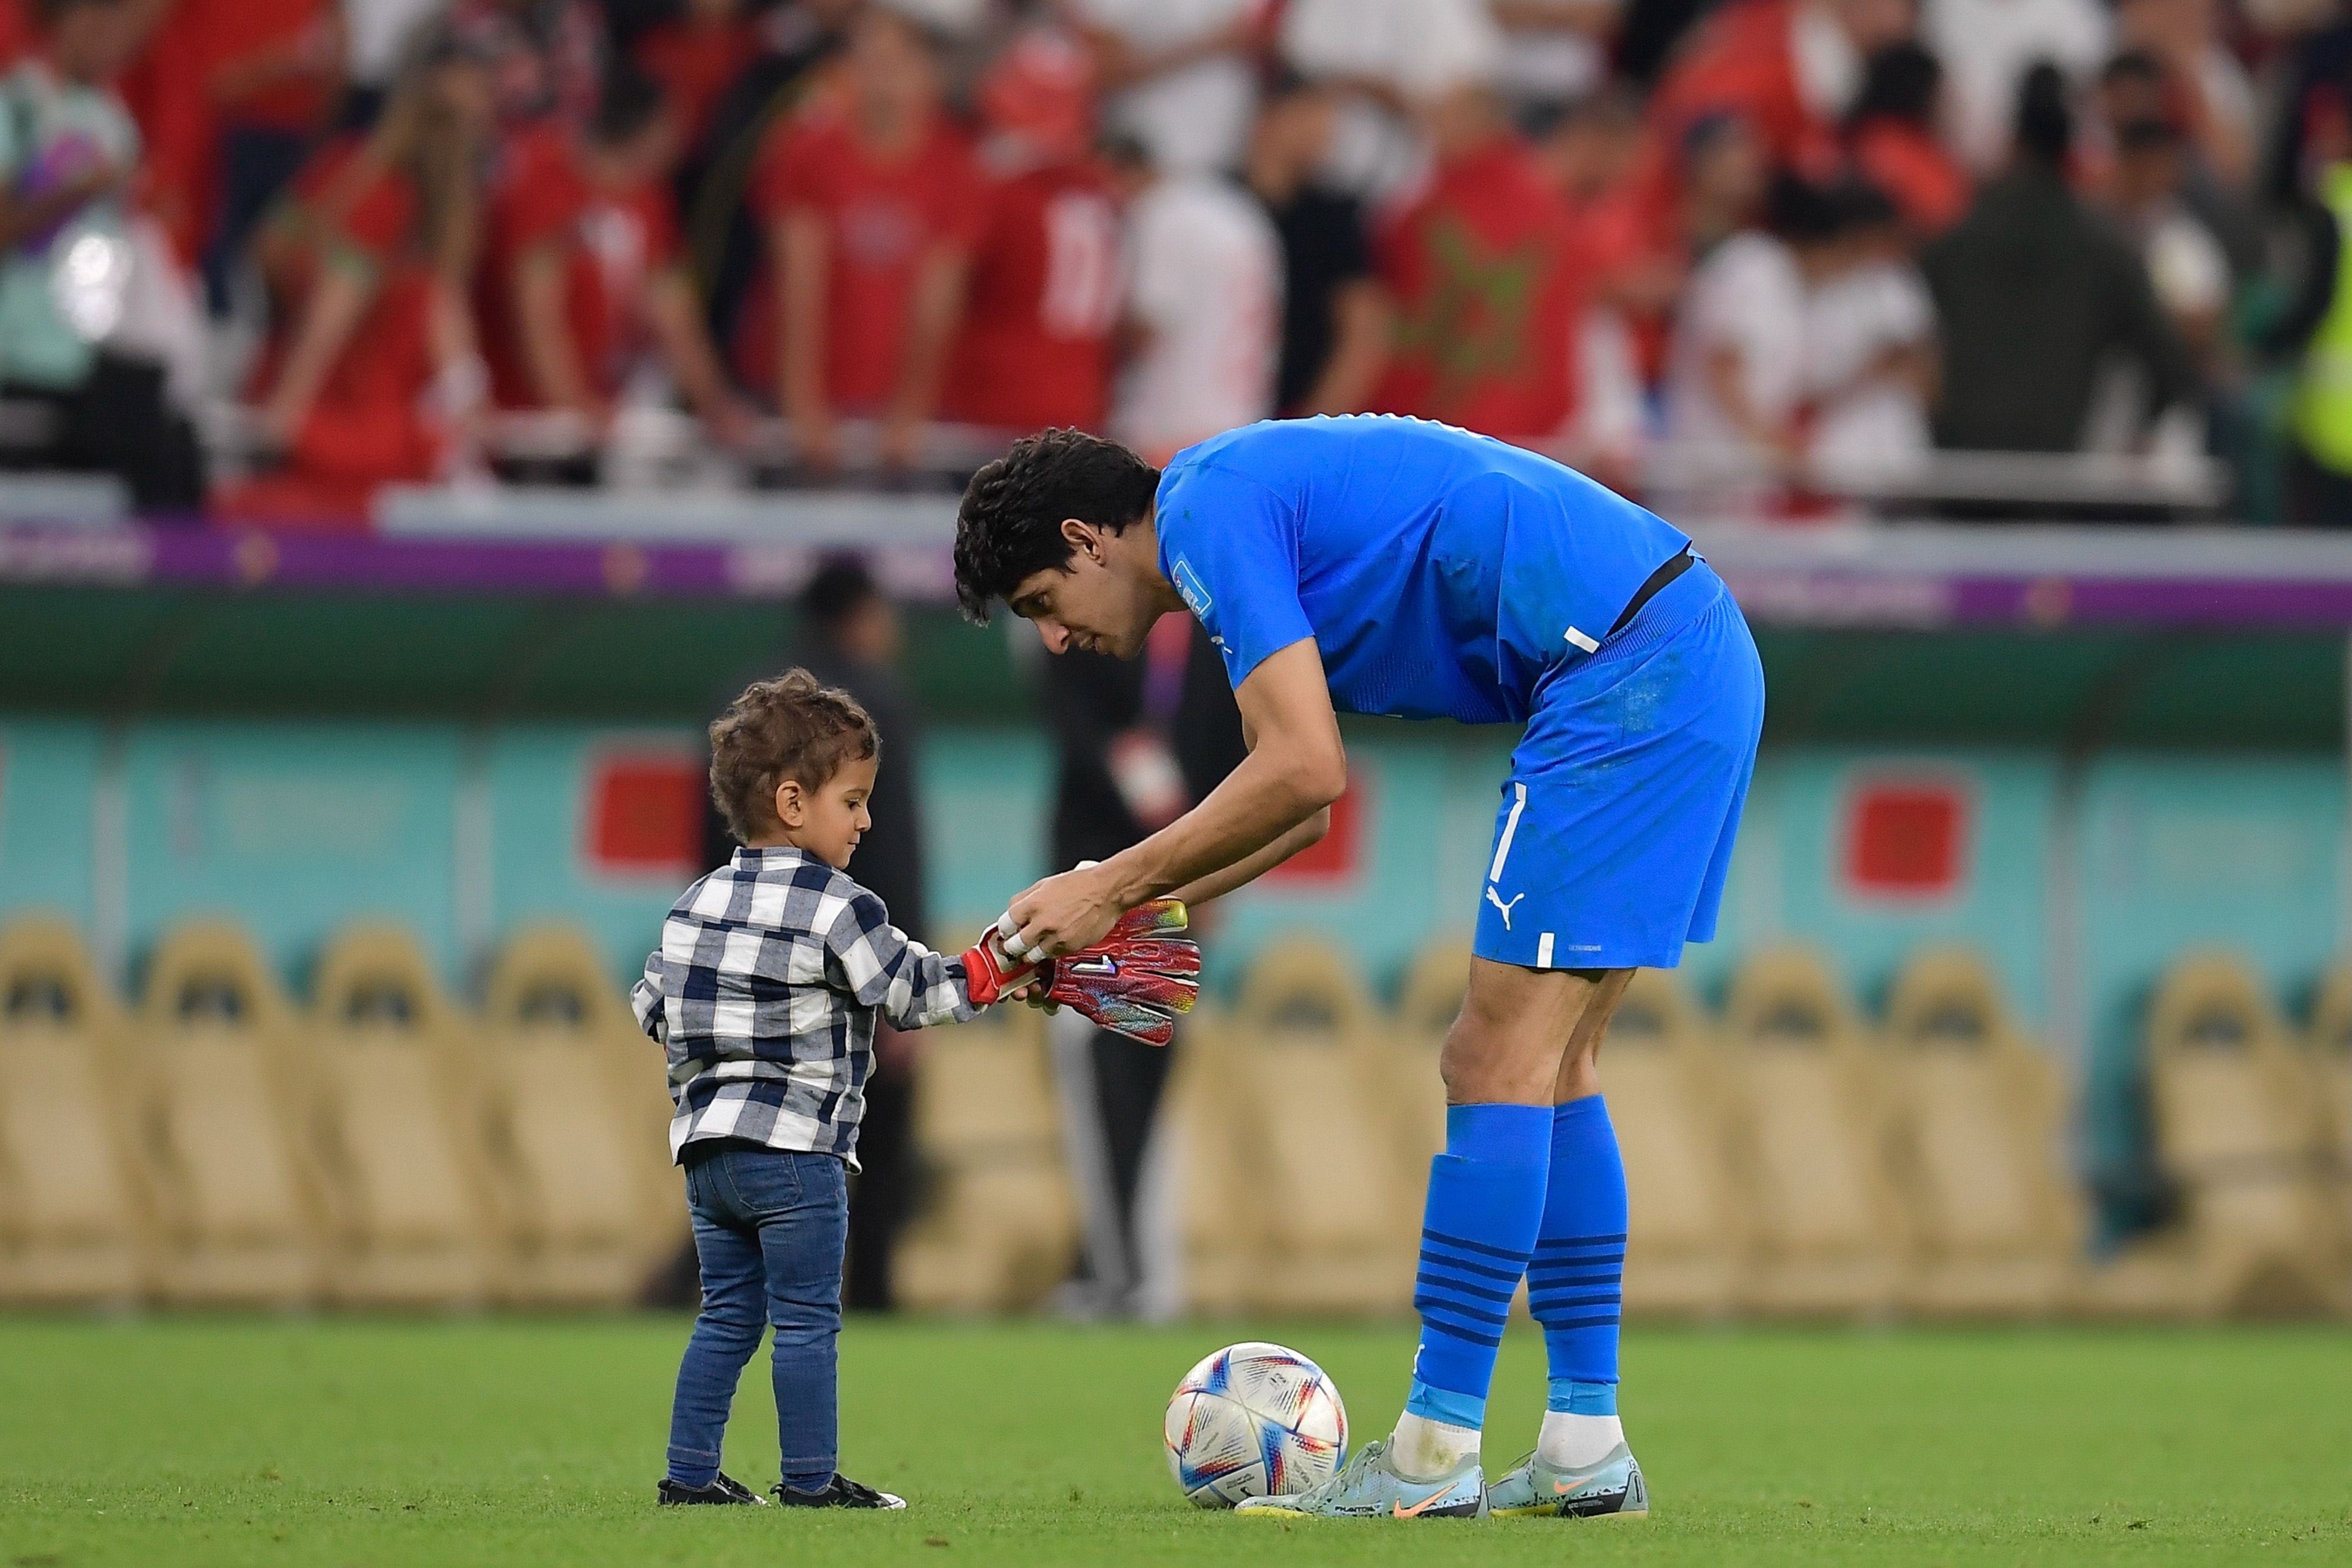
[1404, 1512]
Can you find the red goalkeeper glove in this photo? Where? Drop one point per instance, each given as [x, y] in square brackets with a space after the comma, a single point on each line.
[990, 974]
[1134, 982]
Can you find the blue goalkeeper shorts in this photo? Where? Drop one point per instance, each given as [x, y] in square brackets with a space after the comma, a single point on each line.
[1614, 834]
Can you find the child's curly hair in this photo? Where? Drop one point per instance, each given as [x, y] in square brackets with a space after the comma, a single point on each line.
[789, 727]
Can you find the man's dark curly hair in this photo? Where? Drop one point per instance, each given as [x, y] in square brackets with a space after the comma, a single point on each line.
[1010, 524]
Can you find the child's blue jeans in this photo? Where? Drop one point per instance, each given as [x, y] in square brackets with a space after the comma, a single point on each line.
[770, 1226]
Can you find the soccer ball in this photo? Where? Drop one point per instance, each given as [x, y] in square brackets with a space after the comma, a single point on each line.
[1253, 1420]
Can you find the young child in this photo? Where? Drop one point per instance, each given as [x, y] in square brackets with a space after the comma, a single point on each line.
[771, 974]
[764, 992]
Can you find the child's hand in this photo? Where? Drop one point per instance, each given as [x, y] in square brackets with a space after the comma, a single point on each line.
[991, 975]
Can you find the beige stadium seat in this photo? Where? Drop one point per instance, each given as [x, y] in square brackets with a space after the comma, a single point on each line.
[1427, 1004]
[1295, 1194]
[1994, 1220]
[1810, 1142]
[74, 1223]
[2329, 1053]
[577, 1123]
[997, 1227]
[1661, 1072]
[2238, 1127]
[417, 1219]
[237, 1196]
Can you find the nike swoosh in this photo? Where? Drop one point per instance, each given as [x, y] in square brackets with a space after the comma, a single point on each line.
[1404, 1512]
[1563, 1487]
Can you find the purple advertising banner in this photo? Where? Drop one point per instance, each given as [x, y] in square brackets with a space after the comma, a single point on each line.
[2122, 577]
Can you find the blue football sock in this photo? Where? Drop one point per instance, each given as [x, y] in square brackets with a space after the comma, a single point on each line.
[1486, 1199]
[1576, 1277]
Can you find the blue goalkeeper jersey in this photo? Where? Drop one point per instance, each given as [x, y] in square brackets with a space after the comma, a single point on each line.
[1441, 574]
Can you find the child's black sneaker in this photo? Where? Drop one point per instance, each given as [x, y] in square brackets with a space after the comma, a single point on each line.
[725, 1490]
[838, 1492]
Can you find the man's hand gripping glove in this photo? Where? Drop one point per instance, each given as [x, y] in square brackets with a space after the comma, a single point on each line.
[1133, 982]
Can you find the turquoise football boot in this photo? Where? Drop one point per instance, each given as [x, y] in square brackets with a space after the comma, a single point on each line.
[1612, 1487]
[1368, 1488]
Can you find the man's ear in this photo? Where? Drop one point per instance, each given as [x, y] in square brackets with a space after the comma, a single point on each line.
[791, 806]
[1083, 537]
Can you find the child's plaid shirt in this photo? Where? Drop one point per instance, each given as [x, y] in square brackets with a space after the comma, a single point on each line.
[764, 991]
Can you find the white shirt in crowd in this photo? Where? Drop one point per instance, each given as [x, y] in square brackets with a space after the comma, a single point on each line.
[1420, 47]
[1988, 45]
[1747, 296]
[1865, 428]
[2186, 263]
[1553, 63]
[1197, 116]
[1828, 67]
[1416, 49]
[1205, 287]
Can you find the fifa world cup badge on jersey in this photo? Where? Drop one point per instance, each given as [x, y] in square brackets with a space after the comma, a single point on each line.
[1188, 584]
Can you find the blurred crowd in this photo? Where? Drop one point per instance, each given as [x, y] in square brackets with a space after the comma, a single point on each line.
[263, 257]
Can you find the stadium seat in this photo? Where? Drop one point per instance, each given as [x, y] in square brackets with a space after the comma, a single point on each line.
[2329, 1054]
[74, 1221]
[1661, 1072]
[996, 1227]
[1427, 1004]
[1993, 1220]
[1295, 1196]
[239, 1199]
[577, 1120]
[2239, 1128]
[1808, 1136]
[416, 1216]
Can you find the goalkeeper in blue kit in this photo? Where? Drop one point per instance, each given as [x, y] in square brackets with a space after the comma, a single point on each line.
[1379, 565]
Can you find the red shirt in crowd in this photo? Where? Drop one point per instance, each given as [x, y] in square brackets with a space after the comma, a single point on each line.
[1740, 60]
[885, 218]
[1906, 162]
[695, 59]
[1490, 289]
[1035, 347]
[611, 243]
[230, 34]
[178, 182]
[367, 427]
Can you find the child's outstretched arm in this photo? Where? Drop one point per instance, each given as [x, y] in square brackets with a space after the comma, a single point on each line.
[882, 967]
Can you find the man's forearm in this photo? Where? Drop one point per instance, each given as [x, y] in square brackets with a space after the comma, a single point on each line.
[1259, 804]
[1241, 873]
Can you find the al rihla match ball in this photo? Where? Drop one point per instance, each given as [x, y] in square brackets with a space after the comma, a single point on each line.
[1253, 1420]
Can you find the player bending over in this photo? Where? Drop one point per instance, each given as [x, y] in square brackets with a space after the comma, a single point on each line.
[1380, 565]
[771, 974]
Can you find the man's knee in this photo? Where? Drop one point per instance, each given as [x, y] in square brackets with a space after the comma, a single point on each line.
[1523, 1034]
[1503, 1047]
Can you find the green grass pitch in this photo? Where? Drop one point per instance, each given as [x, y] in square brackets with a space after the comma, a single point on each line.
[525, 1441]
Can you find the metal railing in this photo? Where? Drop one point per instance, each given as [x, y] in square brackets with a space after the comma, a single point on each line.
[650, 451]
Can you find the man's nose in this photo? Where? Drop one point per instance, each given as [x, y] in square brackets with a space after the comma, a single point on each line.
[1056, 636]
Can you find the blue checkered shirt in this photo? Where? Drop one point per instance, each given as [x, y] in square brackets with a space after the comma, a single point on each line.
[771, 974]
